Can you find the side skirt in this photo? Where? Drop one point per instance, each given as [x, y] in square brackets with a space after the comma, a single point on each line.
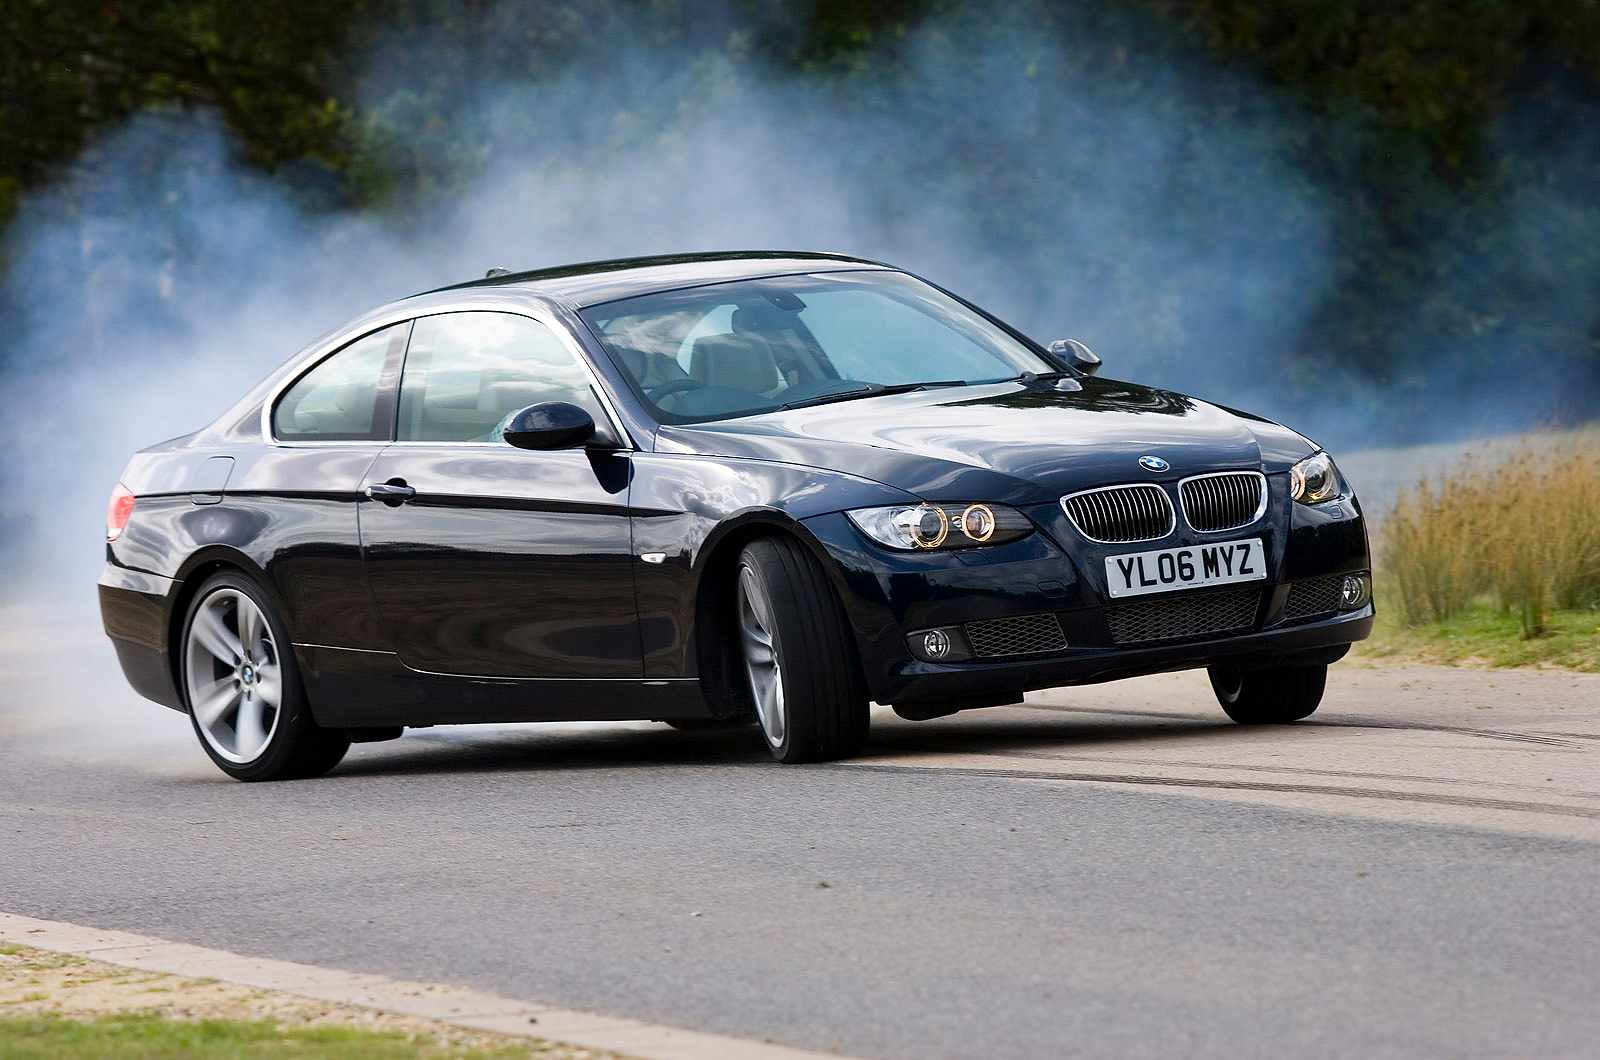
[351, 688]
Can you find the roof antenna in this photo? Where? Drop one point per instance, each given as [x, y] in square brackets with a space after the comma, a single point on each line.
[496, 272]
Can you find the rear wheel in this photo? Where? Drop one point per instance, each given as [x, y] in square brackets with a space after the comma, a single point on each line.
[243, 690]
[1269, 697]
[798, 657]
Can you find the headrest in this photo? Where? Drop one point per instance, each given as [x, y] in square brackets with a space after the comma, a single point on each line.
[743, 362]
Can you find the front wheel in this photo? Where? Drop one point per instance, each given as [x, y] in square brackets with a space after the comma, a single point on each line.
[799, 659]
[1269, 697]
[243, 691]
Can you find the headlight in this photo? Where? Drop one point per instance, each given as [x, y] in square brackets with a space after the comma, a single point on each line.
[923, 527]
[1315, 479]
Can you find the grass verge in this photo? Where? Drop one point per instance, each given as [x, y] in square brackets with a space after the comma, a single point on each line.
[1520, 528]
[152, 1036]
[1494, 560]
[55, 1005]
[1487, 635]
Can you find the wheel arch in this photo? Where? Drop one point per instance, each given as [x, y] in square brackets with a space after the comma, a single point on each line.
[714, 656]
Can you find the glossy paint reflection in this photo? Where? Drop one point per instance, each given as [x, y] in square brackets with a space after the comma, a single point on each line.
[505, 563]
[1006, 442]
[685, 506]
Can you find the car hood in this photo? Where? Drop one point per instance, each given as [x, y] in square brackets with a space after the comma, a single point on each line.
[1008, 442]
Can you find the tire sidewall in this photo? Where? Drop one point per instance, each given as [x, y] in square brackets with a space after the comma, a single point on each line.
[1227, 685]
[825, 695]
[780, 637]
[1276, 696]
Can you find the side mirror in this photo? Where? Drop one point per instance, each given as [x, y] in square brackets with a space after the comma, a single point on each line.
[549, 425]
[1076, 355]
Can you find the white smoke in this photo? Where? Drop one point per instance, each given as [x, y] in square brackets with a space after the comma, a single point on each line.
[160, 277]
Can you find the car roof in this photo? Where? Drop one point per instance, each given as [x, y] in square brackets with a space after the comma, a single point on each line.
[594, 282]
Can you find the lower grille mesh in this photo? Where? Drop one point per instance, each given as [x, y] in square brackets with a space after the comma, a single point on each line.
[1024, 635]
[1313, 598]
[1183, 617]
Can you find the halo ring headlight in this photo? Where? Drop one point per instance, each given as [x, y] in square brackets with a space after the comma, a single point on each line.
[928, 526]
[1315, 479]
[978, 522]
[922, 529]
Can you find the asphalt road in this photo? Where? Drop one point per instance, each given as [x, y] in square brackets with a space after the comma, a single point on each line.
[1112, 871]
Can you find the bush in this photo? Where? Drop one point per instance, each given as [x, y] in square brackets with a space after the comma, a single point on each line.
[1523, 530]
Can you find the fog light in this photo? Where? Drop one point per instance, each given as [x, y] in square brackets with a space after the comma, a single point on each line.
[1356, 592]
[943, 645]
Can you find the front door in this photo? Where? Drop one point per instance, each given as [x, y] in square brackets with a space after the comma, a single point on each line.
[499, 562]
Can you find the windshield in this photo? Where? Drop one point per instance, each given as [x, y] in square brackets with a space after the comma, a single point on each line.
[733, 349]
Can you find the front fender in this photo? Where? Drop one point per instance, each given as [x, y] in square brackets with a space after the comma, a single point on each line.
[691, 512]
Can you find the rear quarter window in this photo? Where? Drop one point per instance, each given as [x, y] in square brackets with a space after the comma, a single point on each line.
[346, 396]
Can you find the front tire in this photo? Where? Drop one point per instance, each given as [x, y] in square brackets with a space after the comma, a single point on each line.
[243, 690]
[1269, 697]
[798, 657]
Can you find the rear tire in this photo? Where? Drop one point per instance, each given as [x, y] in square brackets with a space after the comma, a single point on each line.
[1269, 697]
[242, 687]
[797, 653]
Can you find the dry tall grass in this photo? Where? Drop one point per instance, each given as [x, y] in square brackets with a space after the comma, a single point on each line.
[1523, 530]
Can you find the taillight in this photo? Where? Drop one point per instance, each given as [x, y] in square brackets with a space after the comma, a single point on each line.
[118, 511]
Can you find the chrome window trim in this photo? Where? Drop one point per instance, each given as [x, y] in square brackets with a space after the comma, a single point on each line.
[1172, 514]
[368, 327]
[1261, 508]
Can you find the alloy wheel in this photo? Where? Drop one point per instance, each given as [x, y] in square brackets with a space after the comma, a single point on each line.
[761, 663]
[233, 676]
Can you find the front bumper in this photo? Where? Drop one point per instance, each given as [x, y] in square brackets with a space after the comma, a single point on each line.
[888, 595]
[1305, 644]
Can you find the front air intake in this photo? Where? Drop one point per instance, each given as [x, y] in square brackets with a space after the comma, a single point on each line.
[1313, 598]
[1121, 514]
[1000, 638]
[1193, 617]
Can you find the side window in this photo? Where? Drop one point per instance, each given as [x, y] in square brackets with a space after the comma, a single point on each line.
[344, 397]
[467, 372]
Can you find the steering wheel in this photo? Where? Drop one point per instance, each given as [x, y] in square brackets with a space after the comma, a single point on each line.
[674, 386]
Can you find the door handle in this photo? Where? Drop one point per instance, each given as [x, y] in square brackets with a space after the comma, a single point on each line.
[393, 493]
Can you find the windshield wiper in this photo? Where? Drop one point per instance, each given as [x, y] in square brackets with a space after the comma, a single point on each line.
[1045, 377]
[870, 390]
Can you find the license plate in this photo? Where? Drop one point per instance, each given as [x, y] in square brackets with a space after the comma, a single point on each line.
[1167, 569]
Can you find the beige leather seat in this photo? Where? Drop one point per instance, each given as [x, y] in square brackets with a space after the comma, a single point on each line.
[739, 361]
[649, 370]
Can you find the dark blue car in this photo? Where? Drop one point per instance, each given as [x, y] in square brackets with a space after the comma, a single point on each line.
[708, 490]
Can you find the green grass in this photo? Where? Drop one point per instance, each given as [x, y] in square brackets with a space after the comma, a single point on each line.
[152, 1037]
[1486, 634]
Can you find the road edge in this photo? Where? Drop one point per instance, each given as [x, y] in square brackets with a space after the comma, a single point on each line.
[457, 1006]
